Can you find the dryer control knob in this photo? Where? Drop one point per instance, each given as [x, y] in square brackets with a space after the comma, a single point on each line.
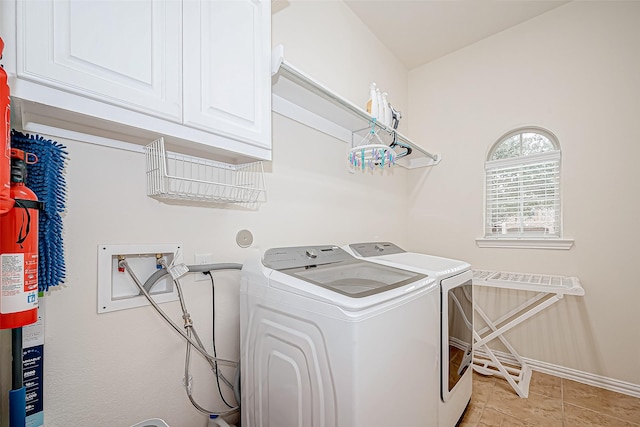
[379, 247]
[311, 253]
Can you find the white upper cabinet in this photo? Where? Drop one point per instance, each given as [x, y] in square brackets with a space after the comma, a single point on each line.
[196, 72]
[227, 83]
[125, 53]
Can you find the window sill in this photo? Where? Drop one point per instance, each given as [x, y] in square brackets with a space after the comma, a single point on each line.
[524, 243]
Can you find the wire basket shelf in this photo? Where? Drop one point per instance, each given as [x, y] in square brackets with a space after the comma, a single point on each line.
[182, 177]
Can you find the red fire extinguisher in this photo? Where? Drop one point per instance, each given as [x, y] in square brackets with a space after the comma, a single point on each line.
[5, 139]
[19, 250]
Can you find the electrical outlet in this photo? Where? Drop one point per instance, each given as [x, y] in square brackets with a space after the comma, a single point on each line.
[201, 259]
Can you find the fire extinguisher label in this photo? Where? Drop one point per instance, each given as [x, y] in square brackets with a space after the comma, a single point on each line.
[30, 272]
[19, 282]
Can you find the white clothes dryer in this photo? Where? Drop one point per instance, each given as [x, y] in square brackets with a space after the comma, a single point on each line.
[456, 308]
[328, 340]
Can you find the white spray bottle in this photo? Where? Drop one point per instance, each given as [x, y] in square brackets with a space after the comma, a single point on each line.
[372, 105]
[387, 109]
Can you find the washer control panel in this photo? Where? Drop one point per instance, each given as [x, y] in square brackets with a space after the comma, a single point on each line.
[375, 249]
[303, 256]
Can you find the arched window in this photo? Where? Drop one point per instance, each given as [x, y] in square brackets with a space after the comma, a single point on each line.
[523, 186]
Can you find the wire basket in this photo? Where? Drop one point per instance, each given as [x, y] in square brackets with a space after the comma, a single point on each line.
[182, 177]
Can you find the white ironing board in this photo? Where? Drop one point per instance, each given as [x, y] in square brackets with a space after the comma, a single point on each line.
[550, 289]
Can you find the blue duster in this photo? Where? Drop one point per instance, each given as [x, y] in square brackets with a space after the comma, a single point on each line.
[46, 179]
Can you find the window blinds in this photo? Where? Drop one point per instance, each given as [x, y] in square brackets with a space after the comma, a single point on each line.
[523, 196]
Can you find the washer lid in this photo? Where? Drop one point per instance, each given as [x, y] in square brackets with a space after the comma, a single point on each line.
[356, 279]
[332, 268]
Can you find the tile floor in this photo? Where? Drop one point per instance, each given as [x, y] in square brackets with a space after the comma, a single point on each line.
[552, 402]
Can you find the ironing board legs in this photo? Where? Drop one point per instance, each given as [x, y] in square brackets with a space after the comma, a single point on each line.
[485, 361]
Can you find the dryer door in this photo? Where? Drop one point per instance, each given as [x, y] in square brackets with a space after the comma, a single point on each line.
[457, 330]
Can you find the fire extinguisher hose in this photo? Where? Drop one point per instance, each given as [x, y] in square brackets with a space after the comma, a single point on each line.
[26, 205]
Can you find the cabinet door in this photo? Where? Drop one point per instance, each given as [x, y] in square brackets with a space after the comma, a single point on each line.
[126, 53]
[227, 78]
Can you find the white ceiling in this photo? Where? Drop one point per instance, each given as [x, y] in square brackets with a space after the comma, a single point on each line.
[419, 31]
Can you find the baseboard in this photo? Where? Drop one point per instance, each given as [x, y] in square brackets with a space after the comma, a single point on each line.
[572, 374]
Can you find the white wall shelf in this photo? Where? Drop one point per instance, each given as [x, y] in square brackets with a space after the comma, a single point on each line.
[302, 98]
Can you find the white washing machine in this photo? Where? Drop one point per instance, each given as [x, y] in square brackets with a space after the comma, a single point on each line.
[456, 307]
[330, 340]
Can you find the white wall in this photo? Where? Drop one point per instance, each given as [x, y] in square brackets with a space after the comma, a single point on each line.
[346, 61]
[576, 72]
[118, 368]
[573, 71]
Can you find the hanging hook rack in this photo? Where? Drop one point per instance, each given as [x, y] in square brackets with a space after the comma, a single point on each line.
[371, 151]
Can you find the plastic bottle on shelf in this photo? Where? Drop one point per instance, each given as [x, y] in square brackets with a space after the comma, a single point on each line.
[387, 109]
[382, 118]
[372, 104]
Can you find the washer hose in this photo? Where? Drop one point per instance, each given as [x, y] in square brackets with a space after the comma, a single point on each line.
[197, 344]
